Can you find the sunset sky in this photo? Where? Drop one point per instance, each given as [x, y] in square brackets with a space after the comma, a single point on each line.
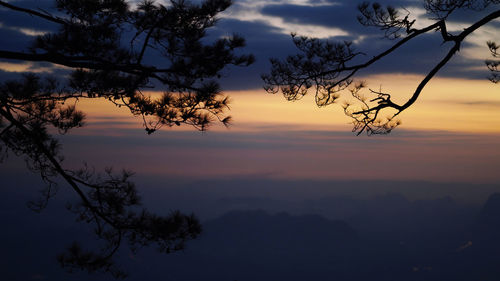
[452, 133]
[287, 191]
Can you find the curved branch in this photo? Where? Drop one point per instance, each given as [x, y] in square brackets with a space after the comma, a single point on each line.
[298, 73]
[458, 40]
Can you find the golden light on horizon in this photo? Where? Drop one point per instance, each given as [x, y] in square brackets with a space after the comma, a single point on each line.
[446, 104]
[448, 135]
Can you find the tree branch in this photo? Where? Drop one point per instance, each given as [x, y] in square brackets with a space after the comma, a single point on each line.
[33, 13]
[321, 65]
[57, 166]
[458, 40]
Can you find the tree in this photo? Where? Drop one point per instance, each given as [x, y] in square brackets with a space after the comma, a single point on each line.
[90, 40]
[330, 67]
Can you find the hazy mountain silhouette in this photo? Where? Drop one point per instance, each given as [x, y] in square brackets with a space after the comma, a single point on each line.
[486, 230]
[256, 245]
[386, 237]
[395, 239]
[286, 234]
[490, 213]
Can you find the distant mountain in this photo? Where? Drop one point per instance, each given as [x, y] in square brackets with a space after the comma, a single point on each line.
[257, 245]
[490, 213]
[486, 231]
[253, 230]
[387, 237]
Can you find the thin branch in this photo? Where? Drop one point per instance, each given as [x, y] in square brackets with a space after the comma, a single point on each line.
[458, 40]
[400, 43]
[57, 166]
[33, 12]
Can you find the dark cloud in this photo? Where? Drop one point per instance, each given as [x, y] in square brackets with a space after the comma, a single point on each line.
[478, 103]
[49, 70]
[266, 41]
[422, 54]
[14, 40]
[263, 41]
[270, 138]
[417, 57]
[469, 15]
[343, 16]
[7, 76]
[20, 19]
[14, 31]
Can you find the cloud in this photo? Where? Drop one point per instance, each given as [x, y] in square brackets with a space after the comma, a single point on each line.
[13, 39]
[25, 21]
[25, 67]
[263, 41]
[284, 153]
[490, 104]
[417, 57]
[266, 25]
[333, 16]
[252, 11]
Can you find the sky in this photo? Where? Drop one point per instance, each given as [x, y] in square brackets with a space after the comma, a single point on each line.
[450, 135]
[404, 193]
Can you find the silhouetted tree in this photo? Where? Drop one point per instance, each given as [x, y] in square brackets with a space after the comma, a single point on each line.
[90, 40]
[331, 67]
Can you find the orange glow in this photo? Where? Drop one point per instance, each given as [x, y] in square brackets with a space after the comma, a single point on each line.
[457, 105]
[28, 67]
[454, 105]
[443, 138]
[22, 67]
[445, 104]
